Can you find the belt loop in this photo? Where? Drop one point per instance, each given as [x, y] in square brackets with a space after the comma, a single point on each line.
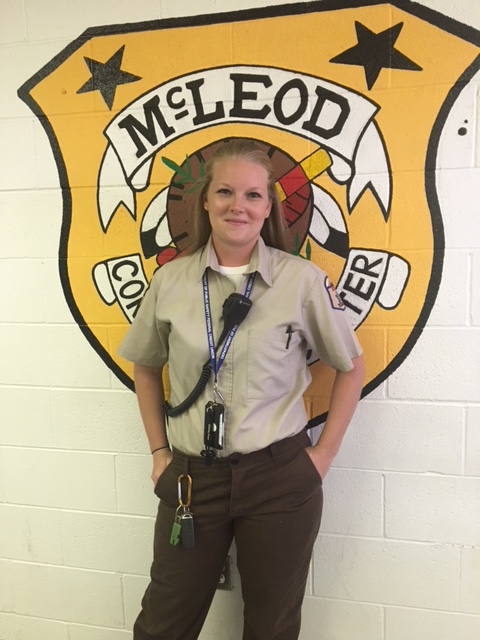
[274, 450]
[185, 465]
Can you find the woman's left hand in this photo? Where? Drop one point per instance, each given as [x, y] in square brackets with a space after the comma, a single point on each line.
[345, 395]
[321, 459]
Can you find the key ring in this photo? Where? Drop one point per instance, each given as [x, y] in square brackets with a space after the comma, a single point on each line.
[186, 504]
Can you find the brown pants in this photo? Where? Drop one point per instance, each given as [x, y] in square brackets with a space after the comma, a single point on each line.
[270, 502]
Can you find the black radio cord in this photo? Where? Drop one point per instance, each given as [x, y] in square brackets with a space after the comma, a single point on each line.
[172, 412]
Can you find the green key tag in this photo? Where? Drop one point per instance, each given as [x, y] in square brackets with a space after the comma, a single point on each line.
[176, 534]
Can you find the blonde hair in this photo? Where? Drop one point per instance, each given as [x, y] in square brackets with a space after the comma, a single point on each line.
[274, 228]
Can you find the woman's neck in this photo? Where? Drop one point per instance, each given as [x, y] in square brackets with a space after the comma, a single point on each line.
[231, 256]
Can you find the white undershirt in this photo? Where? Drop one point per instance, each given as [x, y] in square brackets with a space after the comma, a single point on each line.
[234, 274]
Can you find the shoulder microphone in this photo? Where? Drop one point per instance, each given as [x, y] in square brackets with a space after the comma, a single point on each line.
[235, 310]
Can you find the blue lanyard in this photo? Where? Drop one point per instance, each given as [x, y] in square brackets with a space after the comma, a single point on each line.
[208, 321]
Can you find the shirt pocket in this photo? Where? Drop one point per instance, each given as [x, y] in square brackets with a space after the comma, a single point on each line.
[272, 369]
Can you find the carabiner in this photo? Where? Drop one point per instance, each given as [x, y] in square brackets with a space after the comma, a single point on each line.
[186, 504]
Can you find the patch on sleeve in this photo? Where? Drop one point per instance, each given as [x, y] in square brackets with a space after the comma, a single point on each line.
[335, 299]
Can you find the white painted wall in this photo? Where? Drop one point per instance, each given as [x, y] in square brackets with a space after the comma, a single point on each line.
[399, 553]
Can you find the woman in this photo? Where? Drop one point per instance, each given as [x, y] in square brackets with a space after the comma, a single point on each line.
[263, 488]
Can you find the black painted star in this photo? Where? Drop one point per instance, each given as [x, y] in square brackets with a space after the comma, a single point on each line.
[106, 76]
[376, 51]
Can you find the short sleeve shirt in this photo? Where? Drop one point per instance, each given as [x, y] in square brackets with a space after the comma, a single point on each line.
[262, 378]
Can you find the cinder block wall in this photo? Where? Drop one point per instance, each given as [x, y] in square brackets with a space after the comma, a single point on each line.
[399, 553]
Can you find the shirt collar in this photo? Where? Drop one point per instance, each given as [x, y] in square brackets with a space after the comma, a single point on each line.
[260, 260]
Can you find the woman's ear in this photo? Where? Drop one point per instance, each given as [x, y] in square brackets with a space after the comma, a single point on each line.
[269, 209]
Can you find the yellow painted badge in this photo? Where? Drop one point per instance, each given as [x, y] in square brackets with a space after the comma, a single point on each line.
[349, 101]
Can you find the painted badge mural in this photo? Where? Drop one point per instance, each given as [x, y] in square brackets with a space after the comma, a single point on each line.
[348, 98]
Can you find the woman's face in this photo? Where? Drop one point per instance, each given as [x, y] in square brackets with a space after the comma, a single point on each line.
[237, 203]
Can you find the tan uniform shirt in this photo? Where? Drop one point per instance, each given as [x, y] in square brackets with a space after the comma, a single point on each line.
[261, 380]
